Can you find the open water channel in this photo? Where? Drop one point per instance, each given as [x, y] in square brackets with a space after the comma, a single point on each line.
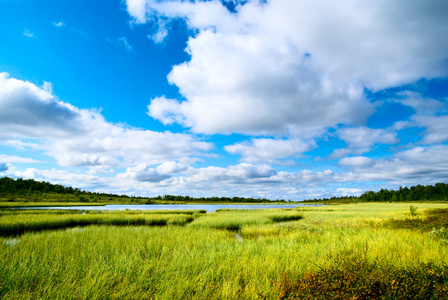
[207, 207]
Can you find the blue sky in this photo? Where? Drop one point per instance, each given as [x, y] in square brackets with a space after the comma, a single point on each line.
[279, 99]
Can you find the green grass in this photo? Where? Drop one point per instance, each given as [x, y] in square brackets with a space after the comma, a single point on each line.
[357, 251]
[237, 219]
[6, 204]
[16, 222]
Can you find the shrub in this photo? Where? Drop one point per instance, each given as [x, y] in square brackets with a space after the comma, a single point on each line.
[413, 211]
[357, 278]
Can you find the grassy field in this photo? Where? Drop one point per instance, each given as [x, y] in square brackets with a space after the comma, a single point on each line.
[353, 251]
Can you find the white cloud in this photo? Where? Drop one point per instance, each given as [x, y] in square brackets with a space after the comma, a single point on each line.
[361, 139]
[142, 173]
[161, 31]
[348, 192]
[430, 114]
[59, 24]
[436, 128]
[159, 36]
[357, 161]
[17, 159]
[270, 150]
[418, 165]
[31, 117]
[291, 66]
[137, 9]
[27, 110]
[171, 167]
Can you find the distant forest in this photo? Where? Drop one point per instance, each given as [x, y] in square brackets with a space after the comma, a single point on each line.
[32, 190]
[437, 192]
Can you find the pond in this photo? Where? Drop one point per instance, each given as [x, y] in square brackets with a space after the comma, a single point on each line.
[207, 207]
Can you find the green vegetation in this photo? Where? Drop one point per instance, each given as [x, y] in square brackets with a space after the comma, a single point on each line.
[353, 251]
[418, 193]
[437, 192]
[16, 223]
[29, 192]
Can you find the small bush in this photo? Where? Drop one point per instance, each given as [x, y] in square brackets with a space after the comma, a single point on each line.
[360, 279]
[413, 211]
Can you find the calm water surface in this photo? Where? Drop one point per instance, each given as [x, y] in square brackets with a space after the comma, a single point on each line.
[207, 207]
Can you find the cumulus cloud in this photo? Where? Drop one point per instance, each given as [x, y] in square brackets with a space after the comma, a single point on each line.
[418, 165]
[357, 161]
[292, 66]
[270, 150]
[241, 173]
[430, 114]
[27, 110]
[171, 167]
[143, 173]
[348, 192]
[361, 139]
[33, 117]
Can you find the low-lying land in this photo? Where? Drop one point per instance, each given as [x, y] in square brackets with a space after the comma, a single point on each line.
[353, 251]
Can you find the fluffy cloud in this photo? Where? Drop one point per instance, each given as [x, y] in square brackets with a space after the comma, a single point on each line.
[80, 137]
[291, 66]
[362, 139]
[29, 111]
[430, 114]
[143, 173]
[418, 165]
[436, 128]
[357, 161]
[269, 150]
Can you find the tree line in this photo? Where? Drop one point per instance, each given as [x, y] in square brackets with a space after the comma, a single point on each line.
[28, 187]
[436, 192]
[20, 186]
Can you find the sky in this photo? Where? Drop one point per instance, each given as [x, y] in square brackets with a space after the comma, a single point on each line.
[280, 99]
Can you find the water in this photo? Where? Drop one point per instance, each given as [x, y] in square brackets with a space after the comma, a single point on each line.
[207, 207]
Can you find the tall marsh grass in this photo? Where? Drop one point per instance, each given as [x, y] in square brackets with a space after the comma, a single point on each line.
[16, 223]
[346, 252]
[237, 219]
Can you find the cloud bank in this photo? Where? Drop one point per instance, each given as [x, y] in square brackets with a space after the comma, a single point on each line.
[80, 137]
[293, 67]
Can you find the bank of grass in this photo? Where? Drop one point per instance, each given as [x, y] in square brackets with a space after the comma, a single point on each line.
[19, 222]
[359, 251]
[237, 219]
